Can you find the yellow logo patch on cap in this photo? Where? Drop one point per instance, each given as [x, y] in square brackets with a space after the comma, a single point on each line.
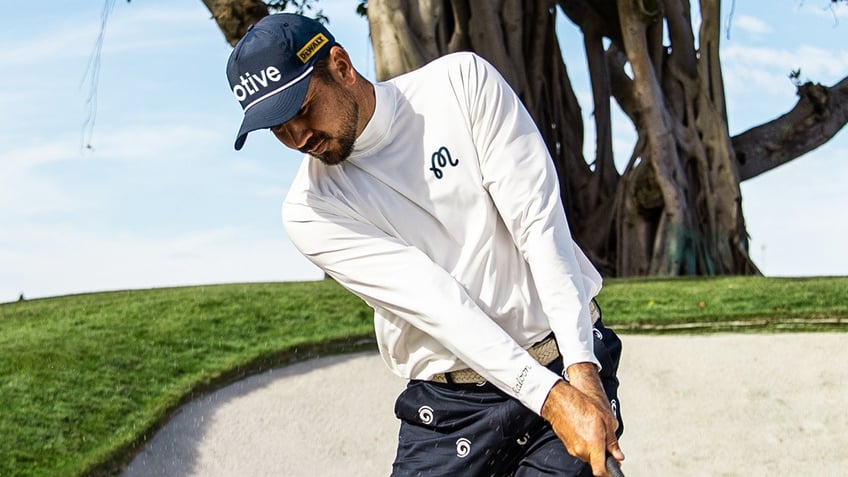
[312, 47]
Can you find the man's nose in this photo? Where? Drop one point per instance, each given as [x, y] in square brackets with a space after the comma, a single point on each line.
[298, 134]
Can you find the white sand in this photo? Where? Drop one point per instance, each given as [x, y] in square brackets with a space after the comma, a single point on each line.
[715, 405]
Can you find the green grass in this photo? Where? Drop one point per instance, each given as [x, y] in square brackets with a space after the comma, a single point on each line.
[85, 380]
[726, 304]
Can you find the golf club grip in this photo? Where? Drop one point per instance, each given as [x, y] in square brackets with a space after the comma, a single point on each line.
[613, 468]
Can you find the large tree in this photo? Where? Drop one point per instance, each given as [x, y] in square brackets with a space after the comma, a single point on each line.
[675, 209]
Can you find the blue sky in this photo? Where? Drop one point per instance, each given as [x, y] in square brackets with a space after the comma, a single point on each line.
[162, 199]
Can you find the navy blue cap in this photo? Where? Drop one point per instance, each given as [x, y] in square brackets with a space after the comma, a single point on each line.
[269, 69]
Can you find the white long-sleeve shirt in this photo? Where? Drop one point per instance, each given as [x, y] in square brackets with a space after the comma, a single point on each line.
[447, 220]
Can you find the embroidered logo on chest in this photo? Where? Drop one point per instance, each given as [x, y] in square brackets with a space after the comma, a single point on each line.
[441, 159]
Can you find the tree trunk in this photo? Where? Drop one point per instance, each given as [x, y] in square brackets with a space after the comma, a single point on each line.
[235, 16]
[676, 207]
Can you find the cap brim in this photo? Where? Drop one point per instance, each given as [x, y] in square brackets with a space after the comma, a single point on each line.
[273, 110]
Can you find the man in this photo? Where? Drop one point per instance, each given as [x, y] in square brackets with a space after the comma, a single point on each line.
[433, 198]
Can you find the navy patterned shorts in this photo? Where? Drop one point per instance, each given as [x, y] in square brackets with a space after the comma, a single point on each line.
[473, 430]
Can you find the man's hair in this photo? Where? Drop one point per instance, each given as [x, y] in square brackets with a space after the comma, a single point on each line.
[321, 70]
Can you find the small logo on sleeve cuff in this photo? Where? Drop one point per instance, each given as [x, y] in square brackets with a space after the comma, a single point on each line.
[519, 381]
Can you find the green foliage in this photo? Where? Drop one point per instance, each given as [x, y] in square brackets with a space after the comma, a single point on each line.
[86, 379]
[795, 77]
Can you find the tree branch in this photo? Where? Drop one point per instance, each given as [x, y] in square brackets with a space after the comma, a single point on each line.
[621, 85]
[459, 35]
[819, 114]
[682, 39]
[233, 17]
[604, 13]
[606, 174]
[709, 63]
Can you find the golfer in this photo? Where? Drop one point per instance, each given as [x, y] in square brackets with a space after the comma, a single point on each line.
[433, 198]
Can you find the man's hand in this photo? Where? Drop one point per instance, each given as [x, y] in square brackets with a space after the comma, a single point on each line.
[583, 420]
[584, 377]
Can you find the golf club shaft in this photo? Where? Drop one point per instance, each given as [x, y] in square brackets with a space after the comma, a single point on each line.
[613, 467]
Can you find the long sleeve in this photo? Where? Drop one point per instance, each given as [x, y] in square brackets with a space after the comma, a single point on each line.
[446, 220]
[520, 176]
[401, 280]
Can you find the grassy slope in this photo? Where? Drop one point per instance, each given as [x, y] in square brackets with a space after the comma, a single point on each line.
[86, 376]
[85, 379]
[727, 303]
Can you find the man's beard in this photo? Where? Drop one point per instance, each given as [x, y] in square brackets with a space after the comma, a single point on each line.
[345, 139]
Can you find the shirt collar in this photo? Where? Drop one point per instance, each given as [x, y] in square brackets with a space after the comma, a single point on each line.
[376, 132]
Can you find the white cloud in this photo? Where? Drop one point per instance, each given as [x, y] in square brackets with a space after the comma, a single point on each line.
[761, 74]
[825, 9]
[155, 142]
[276, 192]
[33, 155]
[148, 142]
[29, 186]
[23, 191]
[26, 195]
[130, 27]
[830, 64]
[813, 61]
[65, 41]
[53, 260]
[133, 29]
[740, 79]
[751, 24]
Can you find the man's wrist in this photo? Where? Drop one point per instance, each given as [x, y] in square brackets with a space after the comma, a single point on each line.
[559, 388]
[580, 371]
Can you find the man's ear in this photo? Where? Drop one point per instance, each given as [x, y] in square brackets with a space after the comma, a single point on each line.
[341, 66]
